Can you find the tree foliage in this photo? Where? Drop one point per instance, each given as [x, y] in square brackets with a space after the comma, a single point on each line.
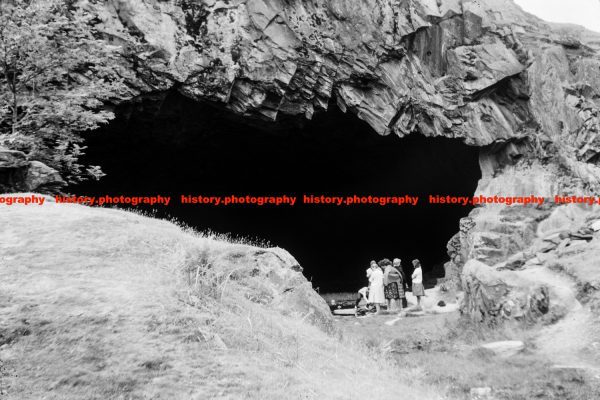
[56, 75]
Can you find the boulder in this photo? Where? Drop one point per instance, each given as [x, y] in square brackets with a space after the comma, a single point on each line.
[562, 219]
[481, 393]
[498, 232]
[505, 348]
[303, 301]
[17, 174]
[482, 66]
[43, 179]
[495, 295]
[273, 277]
[13, 168]
[11, 159]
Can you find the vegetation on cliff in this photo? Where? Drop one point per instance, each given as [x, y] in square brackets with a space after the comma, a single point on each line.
[55, 75]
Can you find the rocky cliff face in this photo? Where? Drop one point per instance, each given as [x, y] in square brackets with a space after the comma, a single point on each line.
[524, 90]
[484, 71]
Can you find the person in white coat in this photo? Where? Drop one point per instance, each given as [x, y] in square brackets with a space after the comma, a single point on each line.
[376, 293]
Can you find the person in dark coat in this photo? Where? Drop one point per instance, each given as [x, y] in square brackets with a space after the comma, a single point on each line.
[392, 281]
[397, 263]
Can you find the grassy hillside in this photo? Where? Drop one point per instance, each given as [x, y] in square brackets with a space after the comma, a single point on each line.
[106, 304]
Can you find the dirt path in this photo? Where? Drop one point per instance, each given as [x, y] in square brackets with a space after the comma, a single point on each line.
[572, 342]
[561, 360]
[441, 351]
[387, 327]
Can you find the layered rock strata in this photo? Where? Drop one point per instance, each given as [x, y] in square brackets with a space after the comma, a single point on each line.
[482, 71]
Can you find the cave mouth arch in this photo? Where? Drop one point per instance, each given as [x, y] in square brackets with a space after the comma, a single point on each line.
[170, 145]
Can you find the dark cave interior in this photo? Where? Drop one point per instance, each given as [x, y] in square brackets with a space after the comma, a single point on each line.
[169, 145]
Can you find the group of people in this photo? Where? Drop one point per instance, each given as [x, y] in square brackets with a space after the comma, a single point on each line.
[388, 285]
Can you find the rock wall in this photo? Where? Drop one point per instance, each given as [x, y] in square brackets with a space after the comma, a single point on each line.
[483, 71]
[480, 70]
[451, 68]
[555, 272]
[524, 90]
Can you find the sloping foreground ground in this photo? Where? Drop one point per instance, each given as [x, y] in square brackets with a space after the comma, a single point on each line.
[94, 304]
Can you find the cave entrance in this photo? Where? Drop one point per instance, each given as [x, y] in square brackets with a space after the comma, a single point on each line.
[172, 145]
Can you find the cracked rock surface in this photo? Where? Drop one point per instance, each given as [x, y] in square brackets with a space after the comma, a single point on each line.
[484, 71]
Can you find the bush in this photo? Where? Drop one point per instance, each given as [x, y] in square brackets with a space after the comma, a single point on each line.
[55, 77]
